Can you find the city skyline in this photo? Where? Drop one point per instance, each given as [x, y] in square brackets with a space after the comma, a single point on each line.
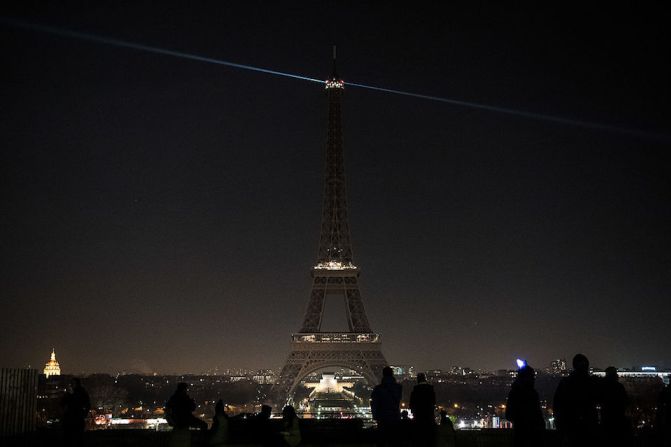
[232, 369]
[163, 214]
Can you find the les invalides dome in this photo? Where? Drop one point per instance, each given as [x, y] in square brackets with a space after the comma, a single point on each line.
[52, 368]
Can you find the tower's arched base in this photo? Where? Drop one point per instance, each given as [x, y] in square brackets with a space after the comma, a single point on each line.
[360, 352]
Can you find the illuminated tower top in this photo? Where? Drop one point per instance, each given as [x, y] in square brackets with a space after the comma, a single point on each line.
[334, 82]
[52, 368]
[335, 248]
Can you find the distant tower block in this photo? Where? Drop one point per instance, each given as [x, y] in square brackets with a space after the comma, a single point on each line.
[52, 368]
[334, 275]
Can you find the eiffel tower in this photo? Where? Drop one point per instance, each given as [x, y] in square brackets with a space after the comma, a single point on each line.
[334, 275]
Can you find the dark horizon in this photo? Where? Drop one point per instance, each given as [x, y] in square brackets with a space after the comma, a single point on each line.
[163, 214]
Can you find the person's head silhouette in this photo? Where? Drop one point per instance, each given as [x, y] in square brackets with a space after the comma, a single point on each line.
[421, 378]
[526, 375]
[611, 373]
[219, 408]
[580, 364]
[387, 372]
[182, 387]
[266, 410]
[289, 413]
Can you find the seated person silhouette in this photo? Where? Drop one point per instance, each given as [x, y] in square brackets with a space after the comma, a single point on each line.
[219, 430]
[291, 432]
[179, 410]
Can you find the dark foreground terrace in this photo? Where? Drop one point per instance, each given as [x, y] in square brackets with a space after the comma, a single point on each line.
[315, 433]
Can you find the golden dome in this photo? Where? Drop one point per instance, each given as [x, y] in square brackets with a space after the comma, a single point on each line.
[52, 368]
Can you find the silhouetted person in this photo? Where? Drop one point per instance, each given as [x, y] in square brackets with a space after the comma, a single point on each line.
[219, 430]
[575, 405]
[423, 406]
[384, 404]
[663, 417]
[179, 410]
[615, 426]
[405, 428]
[523, 409]
[291, 431]
[264, 431]
[76, 406]
[445, 436]
[265, 413]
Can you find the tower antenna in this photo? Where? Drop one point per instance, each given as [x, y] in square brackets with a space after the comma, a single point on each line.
[334, 74]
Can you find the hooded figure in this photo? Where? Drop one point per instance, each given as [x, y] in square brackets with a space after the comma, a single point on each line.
[523, 409]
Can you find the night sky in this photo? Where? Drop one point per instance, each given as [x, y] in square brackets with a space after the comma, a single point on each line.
[162, 214]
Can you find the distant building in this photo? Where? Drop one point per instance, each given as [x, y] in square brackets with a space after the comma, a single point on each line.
[266, 377]
[403, 372]
[52, 368]
[641, 373]
[18, 401]
[558, 366]
[460, 371]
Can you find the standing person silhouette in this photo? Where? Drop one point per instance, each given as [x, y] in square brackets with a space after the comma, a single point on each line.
[423, 406]
[523, 409]
[76, 406]
[262, 428]
[385, 403]
[663, 417]
[575, 404]
[615, 426]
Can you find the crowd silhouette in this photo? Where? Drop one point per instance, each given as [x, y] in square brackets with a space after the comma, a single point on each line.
[587, 410]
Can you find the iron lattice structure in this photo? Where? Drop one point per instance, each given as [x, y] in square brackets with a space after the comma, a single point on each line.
[358, 348]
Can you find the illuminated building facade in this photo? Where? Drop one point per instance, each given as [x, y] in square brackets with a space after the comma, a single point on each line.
[334, 276]
[641, 373]
[558, 366]
[52, 368]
